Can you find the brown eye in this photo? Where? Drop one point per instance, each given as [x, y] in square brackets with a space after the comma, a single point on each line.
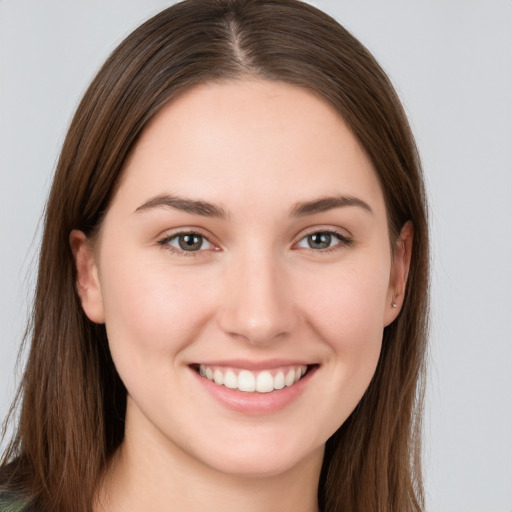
[322, 240]
[190, 242]
[187, 242]
[319, 240]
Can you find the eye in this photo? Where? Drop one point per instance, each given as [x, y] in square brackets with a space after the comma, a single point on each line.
[187, 242]
[321, 240]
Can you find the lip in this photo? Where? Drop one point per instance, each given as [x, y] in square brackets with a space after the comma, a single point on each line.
[243, 364]
[255, 403]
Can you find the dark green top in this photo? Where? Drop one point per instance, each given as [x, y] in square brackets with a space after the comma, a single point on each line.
[9, 503]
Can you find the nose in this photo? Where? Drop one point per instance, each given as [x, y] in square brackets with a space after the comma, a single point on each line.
[258, 303]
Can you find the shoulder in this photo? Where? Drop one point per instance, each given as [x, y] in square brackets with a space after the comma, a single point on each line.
[11, 503]
[12, 498]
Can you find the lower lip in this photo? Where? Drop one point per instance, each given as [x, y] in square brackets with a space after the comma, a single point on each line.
[256, 403]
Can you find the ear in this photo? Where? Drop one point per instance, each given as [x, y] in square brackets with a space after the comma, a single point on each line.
[399, 273]
[87, 280]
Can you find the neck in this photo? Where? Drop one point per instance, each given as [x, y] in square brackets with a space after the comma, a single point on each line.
[143, 476]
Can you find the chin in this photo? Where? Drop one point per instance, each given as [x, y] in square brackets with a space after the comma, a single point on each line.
[262, 459]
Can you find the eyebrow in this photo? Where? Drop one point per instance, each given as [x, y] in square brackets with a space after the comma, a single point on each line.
[186, 205]
[325, 204]
[207, 209]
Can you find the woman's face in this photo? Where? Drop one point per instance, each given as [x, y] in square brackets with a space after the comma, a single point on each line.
[247, 244]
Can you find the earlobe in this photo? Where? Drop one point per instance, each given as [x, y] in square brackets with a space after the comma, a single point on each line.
[87, 278]
[399, 273]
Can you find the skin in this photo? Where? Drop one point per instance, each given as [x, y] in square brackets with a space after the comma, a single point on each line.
[255, 291]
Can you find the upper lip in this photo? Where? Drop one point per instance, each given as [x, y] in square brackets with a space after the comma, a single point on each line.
[245, 364]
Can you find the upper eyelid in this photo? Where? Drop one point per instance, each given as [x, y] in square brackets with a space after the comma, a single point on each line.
[343, 233]
[163, 243]
[344, 240]
[193, 230]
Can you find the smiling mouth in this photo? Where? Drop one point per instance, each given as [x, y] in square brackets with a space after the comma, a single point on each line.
[248, 381]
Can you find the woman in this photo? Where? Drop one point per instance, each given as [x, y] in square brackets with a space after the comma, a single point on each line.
[231, 302]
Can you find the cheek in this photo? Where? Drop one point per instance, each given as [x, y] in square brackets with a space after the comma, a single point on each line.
[348, 303]
[152, 311]
[347, 315]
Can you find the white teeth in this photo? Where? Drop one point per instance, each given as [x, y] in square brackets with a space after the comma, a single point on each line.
[262, 382]
[230, 380]
[290, 378]
[218, 377]
[246, 381]
[279, 380]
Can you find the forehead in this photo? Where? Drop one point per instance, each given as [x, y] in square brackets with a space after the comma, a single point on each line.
[237, 141]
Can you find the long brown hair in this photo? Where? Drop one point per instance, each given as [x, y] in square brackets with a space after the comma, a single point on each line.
[72, 401]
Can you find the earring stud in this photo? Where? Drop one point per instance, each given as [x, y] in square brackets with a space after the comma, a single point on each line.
[393, 304]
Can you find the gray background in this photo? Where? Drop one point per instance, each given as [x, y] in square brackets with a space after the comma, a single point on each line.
[451, 62]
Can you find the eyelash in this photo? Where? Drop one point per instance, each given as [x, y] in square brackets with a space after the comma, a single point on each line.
[343, 241]
[165, 243]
